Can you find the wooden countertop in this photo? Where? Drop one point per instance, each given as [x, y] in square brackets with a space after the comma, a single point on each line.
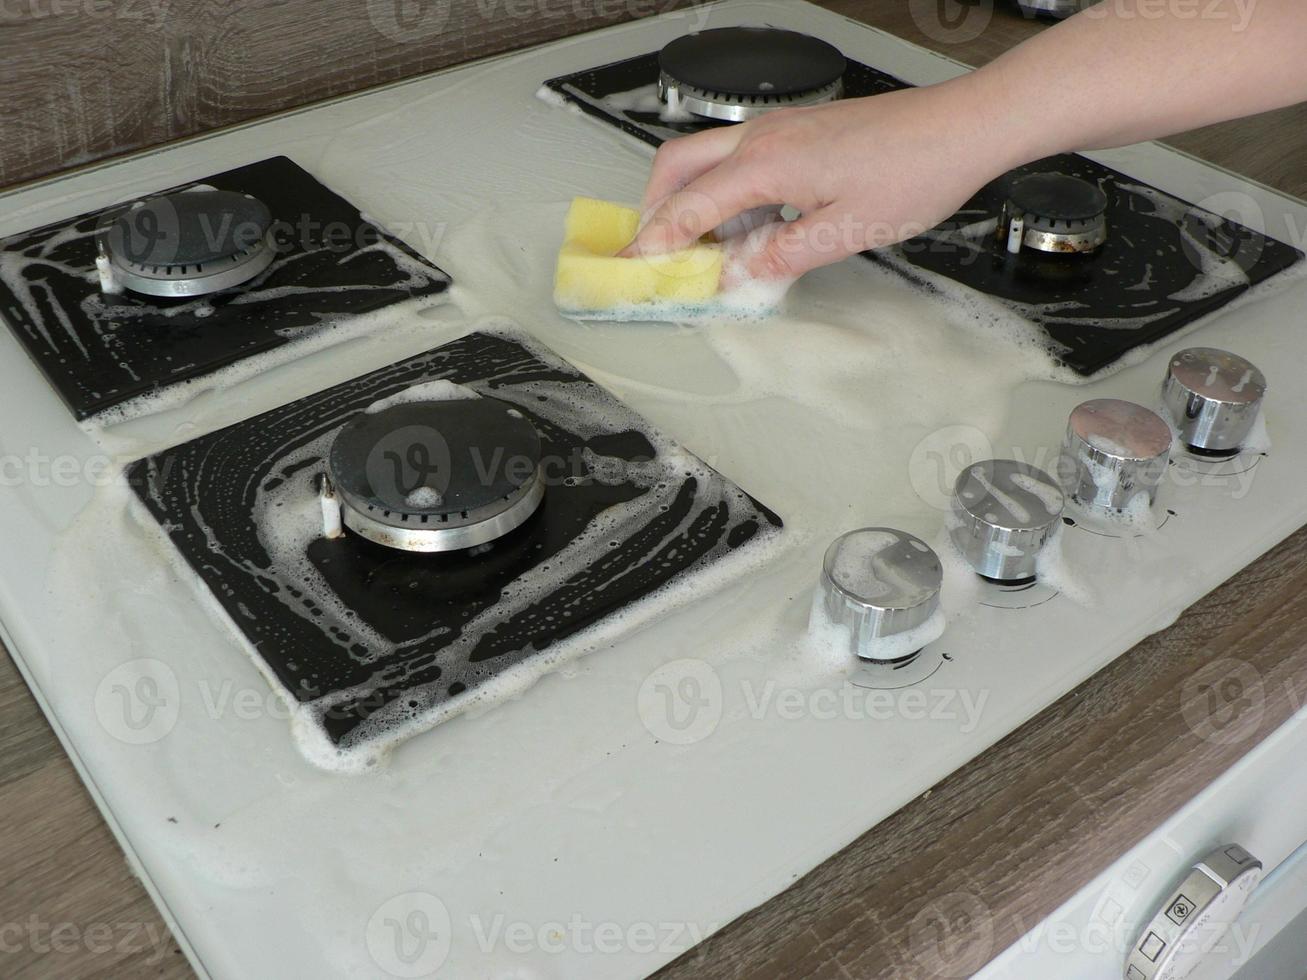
[937, 889]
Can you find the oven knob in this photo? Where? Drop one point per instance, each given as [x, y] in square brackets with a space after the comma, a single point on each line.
[1004, 513]
[1114, 451]
[1214, 398]
[880, 593]
[1194, 916]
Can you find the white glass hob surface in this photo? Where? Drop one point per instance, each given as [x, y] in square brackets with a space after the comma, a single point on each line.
[635, 799]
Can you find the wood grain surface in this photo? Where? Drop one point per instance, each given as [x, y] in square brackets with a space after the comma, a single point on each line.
[89, 79]
[1270, 147]
[934, 891]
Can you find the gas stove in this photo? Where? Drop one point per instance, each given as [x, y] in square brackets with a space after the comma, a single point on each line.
[396, 546]
[283, 561]
[1099, 263]
[719, 75]
[124, 303]
[712, 78]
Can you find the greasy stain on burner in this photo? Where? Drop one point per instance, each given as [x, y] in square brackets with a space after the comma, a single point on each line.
[1165, 264]
[371, 638]
[99, 350]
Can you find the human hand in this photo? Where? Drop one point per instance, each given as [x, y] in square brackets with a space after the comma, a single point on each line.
[863, 173]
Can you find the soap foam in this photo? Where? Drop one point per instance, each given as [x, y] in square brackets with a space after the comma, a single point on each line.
[1050, 496]
[645, 99]
[329, 332]
[288, 518]
[746, 303]
[430, 391]
[830, 649]
[1217, 273]
[854, 567]
[1053, 569]
[278, 816]
[855, 342]
[742, 297]
[324, 331]
[1011, 322]
[424, 498]
[1259, 439]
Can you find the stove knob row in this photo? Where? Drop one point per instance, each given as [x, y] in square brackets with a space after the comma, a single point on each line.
[1116, 452]
[880, 587]
[1114, 456]
[1005, 512]
[1214, 398]
[880, 592]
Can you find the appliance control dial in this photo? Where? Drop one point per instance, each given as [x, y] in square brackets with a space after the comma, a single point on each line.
[1214, 398]
[1004, 513]
[1194, 915]
[882, 587]
[1114, 451]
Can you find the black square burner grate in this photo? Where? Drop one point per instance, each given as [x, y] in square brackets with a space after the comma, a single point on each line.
[624, 95]
[369, 638]
[1164, 265]
[1166, 262]
[100, 350]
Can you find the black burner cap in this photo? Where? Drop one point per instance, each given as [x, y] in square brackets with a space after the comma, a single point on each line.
[752, 61]
[436, 457]
[189, 228]
[1058, 197]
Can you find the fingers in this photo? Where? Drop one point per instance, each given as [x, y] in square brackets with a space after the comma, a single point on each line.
[746, 222]
[680, 161]
[687, 215]
[779, 253]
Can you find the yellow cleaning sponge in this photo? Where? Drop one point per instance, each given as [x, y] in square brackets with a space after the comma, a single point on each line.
[591, 279]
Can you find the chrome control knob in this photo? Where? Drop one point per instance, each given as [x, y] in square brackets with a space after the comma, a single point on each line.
[1194, 915]
[1004, 513]
[1214, 398]
[880, 587]
[1114, 451]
